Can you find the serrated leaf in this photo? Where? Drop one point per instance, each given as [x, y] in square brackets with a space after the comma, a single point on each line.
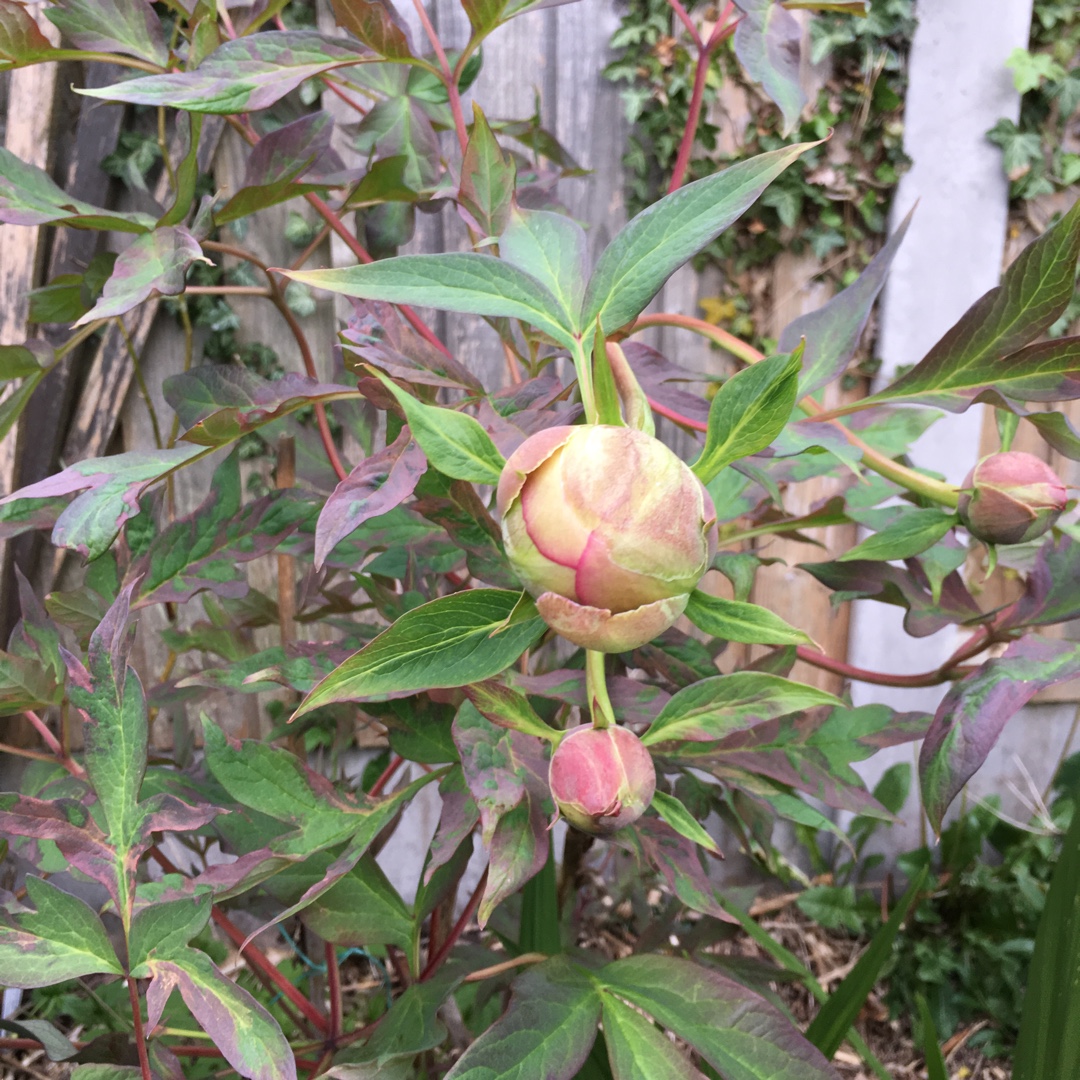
[245, 1033]
[547, 1031]
[455, 281]
[156, 263]
[682, 821]
[28, 196]
[90, 523]
[488, 176]
[734, 621]
[911, 533]
[452, 641]
[739, 1033]
[653, 245]
[243, 75]
[975, 710]
[129, 27]
[833, 332]
[454, 442]
[21, 40]
[748, 412]
[637, 1051]
[768, 44]
[983, 351]
[717, 707]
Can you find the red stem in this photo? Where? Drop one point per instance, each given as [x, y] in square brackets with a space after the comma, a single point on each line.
[685, 19]
[395, 763]
[53, 743]
[448, 76]
[333, 982]
[459, 928]
[140, 1035]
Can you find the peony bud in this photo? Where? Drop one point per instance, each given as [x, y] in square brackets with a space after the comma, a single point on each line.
[1011, 497]
[601, 779]
[608, 529]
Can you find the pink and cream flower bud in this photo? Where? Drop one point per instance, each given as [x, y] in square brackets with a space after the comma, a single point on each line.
[1011, 497]
[608, 529]
[601, 779]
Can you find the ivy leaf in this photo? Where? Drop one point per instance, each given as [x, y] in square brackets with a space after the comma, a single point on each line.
[90, 523]
[28, 196]
[734, 621]
[975, 710]
[748, 412]
[452, 641]
[768, 44]
[547, 1031]
[716, 707]
[487, 178]
[832, 333]
[129, 27]
[738, 1032]
[21, 40]
[155, 263]
[243, 75]
[246, 1034]
[375, 486]
[653, 245]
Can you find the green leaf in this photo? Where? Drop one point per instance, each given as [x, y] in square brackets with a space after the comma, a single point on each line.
[454, 442]
[653, 245]
[637, 1051]
[155, 263]
[833, 332]
[488, 176]
[1048, 1046]
[550, 247]
[539, 930]
[748, 412]
[768, 44]
[455, 281]
[547, 1031]
[682, 821]
[716, 707]
[19, 361]
[936, 1069]
[57, 1046]
[830, 1027]
[61, 939]
[409, 1028]
[913, 531]
[361, 909]
[21, 40]
[977, 354]
[509, 709]
[734, 621]
[113, 26]
[740, 1034]
[165, 927]
[243, 75]
[452, 641]
[245, 1033]
[28, 196]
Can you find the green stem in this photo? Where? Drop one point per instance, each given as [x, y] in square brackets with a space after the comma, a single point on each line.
[603, 715]
[583, 366]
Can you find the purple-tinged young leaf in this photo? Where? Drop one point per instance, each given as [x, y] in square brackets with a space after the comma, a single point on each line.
[975, 711]
[980, 352]
[243, 75]
[1050, 595]
[768, 44]
[547, 1031]
[245, 1033]
[677, 858]
[28, 196]
[508, 709]
[833, 332]
[1058, 432]
[517, 851]
[25, 683]
[156, 263]
[376, 485]
[734, 1029]
[28, 514]
[90, 523]
[128, 27]
[21, 40]
[458, 819]
[204, 550]
[659, 377]
[377, 24]
[487, 178]
[219, 404]
[300, 667]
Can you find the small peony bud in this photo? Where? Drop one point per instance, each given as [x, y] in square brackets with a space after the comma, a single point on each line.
[1011, 497]
[601, 779]
[608, 529]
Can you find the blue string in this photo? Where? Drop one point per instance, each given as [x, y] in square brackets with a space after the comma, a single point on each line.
[320, 969]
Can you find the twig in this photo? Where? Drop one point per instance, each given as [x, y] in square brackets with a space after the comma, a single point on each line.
[140, 1035]
[333, 982]
[386, 775]
[506, 965]
[459, 928]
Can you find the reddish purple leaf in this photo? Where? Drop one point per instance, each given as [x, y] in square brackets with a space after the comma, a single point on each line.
[128, 27]
[976, 710]
[457, 820]
[21, 41]
[659, 378]
[376, 485]
[1050, 594]
[377, 24]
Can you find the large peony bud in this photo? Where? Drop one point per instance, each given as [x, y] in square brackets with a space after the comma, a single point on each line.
[1011, 497]
[601, 779]
[608, 529]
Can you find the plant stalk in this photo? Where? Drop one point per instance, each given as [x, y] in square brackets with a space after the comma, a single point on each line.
[603, 715]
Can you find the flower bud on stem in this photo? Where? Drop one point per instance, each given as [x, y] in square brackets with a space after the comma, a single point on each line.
[603, 715]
